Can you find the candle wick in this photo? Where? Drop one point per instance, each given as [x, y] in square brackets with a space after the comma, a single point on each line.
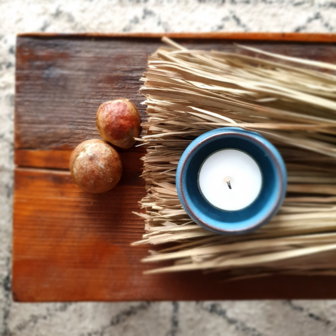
[228, 182]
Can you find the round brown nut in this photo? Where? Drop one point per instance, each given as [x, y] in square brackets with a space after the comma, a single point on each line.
[95, 166]
[118, 122]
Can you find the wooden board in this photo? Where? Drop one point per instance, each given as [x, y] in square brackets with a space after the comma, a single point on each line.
[69, 245]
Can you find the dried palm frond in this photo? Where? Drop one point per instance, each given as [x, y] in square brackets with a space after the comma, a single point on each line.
[289, 101]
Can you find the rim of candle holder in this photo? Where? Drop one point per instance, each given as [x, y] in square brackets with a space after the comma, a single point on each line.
[229, 228]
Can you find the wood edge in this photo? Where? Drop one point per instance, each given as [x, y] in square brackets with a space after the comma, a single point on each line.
[57, 159]
[36, 158]
[18, 297]
[289, 37]
[39, 170]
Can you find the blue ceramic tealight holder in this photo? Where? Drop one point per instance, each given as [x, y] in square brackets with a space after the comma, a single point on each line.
[231, 181]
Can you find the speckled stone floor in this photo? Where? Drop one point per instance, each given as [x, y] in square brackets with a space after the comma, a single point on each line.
[254, 318]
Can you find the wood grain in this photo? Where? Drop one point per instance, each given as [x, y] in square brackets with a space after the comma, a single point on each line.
[69, 245]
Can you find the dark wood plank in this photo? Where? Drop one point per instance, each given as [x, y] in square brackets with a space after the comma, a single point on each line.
[60, 82]
[69, 245]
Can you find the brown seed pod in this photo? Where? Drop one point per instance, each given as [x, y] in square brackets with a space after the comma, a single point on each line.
[95, 166]
[118, 122]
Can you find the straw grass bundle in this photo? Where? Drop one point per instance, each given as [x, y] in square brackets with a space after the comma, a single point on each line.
[289, 101]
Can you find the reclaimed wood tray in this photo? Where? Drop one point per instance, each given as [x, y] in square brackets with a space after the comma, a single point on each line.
[73, 246]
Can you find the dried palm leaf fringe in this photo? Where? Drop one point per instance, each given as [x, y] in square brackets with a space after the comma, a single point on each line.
[289, 101]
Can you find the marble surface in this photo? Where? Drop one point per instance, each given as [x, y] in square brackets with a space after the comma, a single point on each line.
[254, 318]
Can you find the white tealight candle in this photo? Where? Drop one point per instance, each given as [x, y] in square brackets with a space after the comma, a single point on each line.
[230, 179]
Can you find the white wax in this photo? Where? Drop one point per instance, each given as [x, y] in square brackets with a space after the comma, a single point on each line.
[242, 171]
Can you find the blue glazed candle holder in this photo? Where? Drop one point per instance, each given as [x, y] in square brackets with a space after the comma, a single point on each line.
[263, 207]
